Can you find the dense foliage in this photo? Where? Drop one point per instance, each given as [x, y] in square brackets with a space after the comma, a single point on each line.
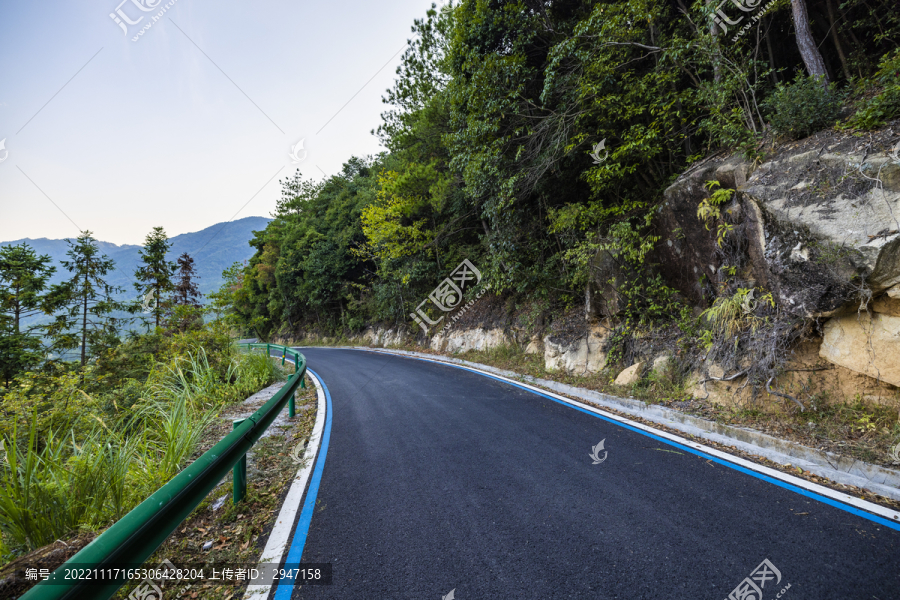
[85, 437]
[42, 325]
[531, 137]
[83, 446]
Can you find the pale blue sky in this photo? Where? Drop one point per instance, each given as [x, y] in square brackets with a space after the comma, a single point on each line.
[152, 133]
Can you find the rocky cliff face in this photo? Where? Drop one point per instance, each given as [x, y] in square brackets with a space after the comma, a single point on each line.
[817, 225]
[820, 227]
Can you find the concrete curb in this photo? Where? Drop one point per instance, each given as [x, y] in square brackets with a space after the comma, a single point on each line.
[279, 539]
[848, 471]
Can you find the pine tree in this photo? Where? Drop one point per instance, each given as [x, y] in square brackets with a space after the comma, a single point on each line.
[186, 291]
[23, 281]
[186, 312]
[155, 274]
[87, 323]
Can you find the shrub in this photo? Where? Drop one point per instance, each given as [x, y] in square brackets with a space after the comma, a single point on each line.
[70, 459]
[58, 401]
[52, 486]
[803, 107]
[885, 105]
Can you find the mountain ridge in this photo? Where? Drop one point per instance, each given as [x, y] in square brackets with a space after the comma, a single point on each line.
[213, 249]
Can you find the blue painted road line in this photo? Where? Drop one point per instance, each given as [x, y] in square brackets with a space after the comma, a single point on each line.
[818, 497]
[295, 553]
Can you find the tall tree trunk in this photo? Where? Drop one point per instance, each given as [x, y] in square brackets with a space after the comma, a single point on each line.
[714, 33]
[812, 58]
[770, 51]
[84, 324]
[17, 312]
[837, 39]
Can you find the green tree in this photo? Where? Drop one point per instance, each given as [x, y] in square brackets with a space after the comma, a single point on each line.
[495, 135]
[223, 300]
[154, 275]
[186, 291]
[185, 312]
[23, 281]
[87, 323]
[23, 297]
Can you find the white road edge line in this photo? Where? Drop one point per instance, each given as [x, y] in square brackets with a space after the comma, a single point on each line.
[281, 531]
[774, 474]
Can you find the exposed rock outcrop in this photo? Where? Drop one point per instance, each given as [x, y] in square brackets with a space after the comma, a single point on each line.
[378, 336]
[889, 303]
[868, 344]
[469, 339]
[584, 355]
[821, 226]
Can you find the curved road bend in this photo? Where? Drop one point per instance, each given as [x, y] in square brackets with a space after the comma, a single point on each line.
[439, 479]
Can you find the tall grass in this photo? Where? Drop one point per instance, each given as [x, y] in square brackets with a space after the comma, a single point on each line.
[49, 489]
[170, 434]
[193, 379]
[53, 483]
[27, 507]
[256, 370]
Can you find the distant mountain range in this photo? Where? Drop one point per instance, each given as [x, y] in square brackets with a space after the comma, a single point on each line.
[213, 249]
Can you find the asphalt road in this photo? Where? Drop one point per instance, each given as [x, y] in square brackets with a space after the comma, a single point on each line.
[438, 479]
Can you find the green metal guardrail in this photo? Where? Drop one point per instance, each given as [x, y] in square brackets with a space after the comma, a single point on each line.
[137, 535]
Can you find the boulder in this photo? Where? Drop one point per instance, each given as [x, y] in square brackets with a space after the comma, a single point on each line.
[661, 363]
[584, 355]
[686, 251]
[829, 226]
[631, 375]
[817, 227]
[866, 344]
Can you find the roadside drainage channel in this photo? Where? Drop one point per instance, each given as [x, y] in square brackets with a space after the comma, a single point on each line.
[848, 471]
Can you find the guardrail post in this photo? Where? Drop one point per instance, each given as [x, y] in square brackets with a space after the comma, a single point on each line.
[267, 350]
[283, 355]
[239, 481]
[134, 537]
[302, 385]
